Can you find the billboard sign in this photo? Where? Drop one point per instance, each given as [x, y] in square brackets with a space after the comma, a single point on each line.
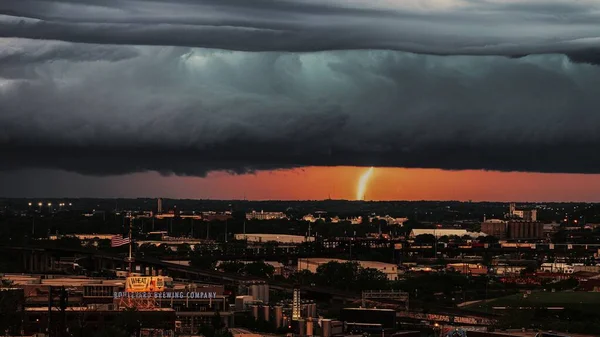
[167, 295]
[140, 284]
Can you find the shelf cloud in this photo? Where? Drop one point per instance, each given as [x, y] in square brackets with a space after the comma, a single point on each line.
[191, 111]
[440, 27]
[110, 87]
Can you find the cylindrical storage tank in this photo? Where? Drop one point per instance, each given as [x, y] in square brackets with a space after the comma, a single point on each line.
[261, 292]
[239, 303]
[312, 312]
[254, 309]
[254, 292]
[325, 328]
[278, 316]
[265, 293]
[309, 327]
[266, 313]
[301, 327]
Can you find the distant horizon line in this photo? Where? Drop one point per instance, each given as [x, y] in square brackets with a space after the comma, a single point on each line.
[41, 199]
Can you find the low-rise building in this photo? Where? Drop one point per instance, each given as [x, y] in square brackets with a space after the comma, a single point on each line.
[262, 215]
[438, 233]
[495, 227]
[280, 238]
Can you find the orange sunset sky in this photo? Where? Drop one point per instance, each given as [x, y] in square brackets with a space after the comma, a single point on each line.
[315, 183]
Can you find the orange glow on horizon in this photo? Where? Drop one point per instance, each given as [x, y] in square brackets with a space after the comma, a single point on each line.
[319, 183]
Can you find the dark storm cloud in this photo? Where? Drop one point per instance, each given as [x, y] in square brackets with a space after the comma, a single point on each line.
[19, 52]
[190, 111]
[440, 27]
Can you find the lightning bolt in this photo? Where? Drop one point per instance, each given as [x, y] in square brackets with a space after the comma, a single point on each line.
[363, 183]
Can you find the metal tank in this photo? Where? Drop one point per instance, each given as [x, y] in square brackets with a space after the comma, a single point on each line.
[301, 327]
[254, 292]
[325, 328]
[265, 293]
[309, 326]
[266, 313]
[254, 309]
[278, 316]
[261, 293]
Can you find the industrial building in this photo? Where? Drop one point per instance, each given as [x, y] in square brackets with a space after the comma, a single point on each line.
[96, 301]
[280, 238]
[495, 227]
[311, 264]
[262, 215]
[438, 233]
[524, 214]
[514, 229]
[525, 230]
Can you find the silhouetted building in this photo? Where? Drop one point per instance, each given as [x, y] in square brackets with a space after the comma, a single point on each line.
[525, 214]
[523, 229]
[495, 227]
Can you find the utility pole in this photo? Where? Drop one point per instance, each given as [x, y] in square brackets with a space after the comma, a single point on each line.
[192, 226]
[50, 305]
[64, 302]
[129, 259]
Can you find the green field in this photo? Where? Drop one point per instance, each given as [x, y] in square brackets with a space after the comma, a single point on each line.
[584, 301]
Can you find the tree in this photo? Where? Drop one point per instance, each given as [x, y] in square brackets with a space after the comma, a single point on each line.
[203, 262]
[233, 267]
[259, 269]
[370, 278]
[425, 239]
[184, 249]
[337, 275]
[488, 239]
[270, 246]
[444, 239]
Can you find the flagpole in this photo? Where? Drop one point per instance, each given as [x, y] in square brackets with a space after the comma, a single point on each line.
[130, 258]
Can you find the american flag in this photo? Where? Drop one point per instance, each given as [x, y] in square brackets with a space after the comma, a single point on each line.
[118, 240]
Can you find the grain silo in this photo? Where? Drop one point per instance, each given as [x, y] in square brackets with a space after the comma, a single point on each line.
[254, 309]
[255, 292]
[325, 328]
[265, 293]
[266, 313]
[278, 316]
[309, 327]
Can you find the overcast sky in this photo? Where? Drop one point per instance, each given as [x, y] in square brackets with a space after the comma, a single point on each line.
[114, 87]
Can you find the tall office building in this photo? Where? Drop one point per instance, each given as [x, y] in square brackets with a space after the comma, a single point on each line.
[159, 208]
